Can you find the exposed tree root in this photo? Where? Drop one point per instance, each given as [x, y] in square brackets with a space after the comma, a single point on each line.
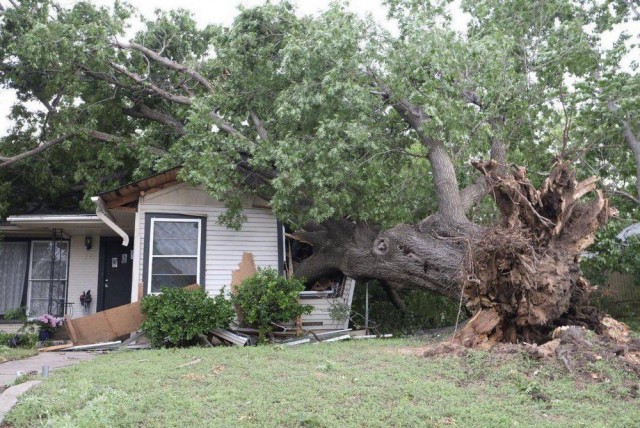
[524, 279]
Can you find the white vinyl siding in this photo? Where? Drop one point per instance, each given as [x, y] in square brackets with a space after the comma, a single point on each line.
[83, 274]
[224, 247]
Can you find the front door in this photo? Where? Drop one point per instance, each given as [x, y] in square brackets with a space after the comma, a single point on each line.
[115, 282]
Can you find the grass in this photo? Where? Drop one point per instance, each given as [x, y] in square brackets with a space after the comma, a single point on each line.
[342, 384]
[10, 354]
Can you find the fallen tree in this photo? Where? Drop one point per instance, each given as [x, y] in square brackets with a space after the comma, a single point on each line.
[520, 279]
[343, 126]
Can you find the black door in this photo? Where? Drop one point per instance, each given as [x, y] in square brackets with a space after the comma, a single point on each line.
[114, 288]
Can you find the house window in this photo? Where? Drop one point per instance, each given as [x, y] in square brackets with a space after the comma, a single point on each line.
[48, 277]
[175, 253]
[13, 272]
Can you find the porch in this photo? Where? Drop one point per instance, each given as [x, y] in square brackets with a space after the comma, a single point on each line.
[48, 261]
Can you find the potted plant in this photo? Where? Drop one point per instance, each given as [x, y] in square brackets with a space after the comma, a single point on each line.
[48, 325]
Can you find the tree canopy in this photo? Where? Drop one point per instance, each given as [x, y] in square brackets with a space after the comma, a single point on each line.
[327, 116]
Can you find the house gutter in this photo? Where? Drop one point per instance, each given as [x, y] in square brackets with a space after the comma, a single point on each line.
[75, 219]
[102, 213]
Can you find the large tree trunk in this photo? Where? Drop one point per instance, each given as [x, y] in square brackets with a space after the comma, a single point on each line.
[520, 278]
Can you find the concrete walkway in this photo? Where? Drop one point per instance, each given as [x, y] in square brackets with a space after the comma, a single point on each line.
[9, 372]
[55, 360]
[9, 397]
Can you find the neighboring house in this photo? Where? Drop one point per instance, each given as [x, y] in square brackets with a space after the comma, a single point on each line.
[48, 261]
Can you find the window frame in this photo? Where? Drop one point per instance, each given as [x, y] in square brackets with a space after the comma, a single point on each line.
[150, 220]
[30, 280]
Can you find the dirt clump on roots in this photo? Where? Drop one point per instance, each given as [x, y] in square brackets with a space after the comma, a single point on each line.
[524, 278]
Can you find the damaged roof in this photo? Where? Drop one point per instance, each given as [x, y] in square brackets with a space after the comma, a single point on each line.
[128, 194]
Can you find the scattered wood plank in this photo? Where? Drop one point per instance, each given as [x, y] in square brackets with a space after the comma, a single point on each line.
[296, 342]
[247, 330]
[139, 346]
[56, 348]
[190, 363]
[229, 337]
[333, 333]
[336, 339]
[372, 336]
[215, 341]
[108, 325]
[131, 340]
[95, 346]
[204, 340]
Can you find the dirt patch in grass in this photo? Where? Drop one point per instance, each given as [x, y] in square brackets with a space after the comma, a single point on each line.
[587, 359]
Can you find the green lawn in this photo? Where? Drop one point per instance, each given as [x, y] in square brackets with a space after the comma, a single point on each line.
[9, 354]
[335, 385]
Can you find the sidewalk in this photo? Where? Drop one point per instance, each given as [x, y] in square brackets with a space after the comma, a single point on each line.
[8, 373]
[9, 398]
[54, 360]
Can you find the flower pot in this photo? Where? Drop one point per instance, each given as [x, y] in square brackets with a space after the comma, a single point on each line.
[44, 335]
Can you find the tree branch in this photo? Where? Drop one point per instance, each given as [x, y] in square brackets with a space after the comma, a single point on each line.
[444, 176]
[179, 99]
[634, 145]
[475, 192]
[142, 111]
[8, 161]
[262, 131]
[107, 78]
[623, 194]
[166, 62]
[229, 128]
[632, 141]
[110, 138]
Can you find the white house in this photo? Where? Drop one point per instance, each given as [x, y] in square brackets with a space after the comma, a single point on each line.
[48, 261]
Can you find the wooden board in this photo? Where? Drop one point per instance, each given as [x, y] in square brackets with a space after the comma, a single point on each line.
[55, 348]
[246, 268]
[230, 337]
[95, 346]
[106, 325]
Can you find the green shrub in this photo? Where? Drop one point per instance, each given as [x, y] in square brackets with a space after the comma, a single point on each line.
[24, 340]
[18, 314]
[267, 298]
[176, 316]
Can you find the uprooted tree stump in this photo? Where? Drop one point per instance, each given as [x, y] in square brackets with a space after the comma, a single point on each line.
[524, 278]
[524, 281]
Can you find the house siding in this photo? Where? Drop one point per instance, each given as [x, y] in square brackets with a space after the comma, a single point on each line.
[322, 310]
[224, 247]
[83, 273]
